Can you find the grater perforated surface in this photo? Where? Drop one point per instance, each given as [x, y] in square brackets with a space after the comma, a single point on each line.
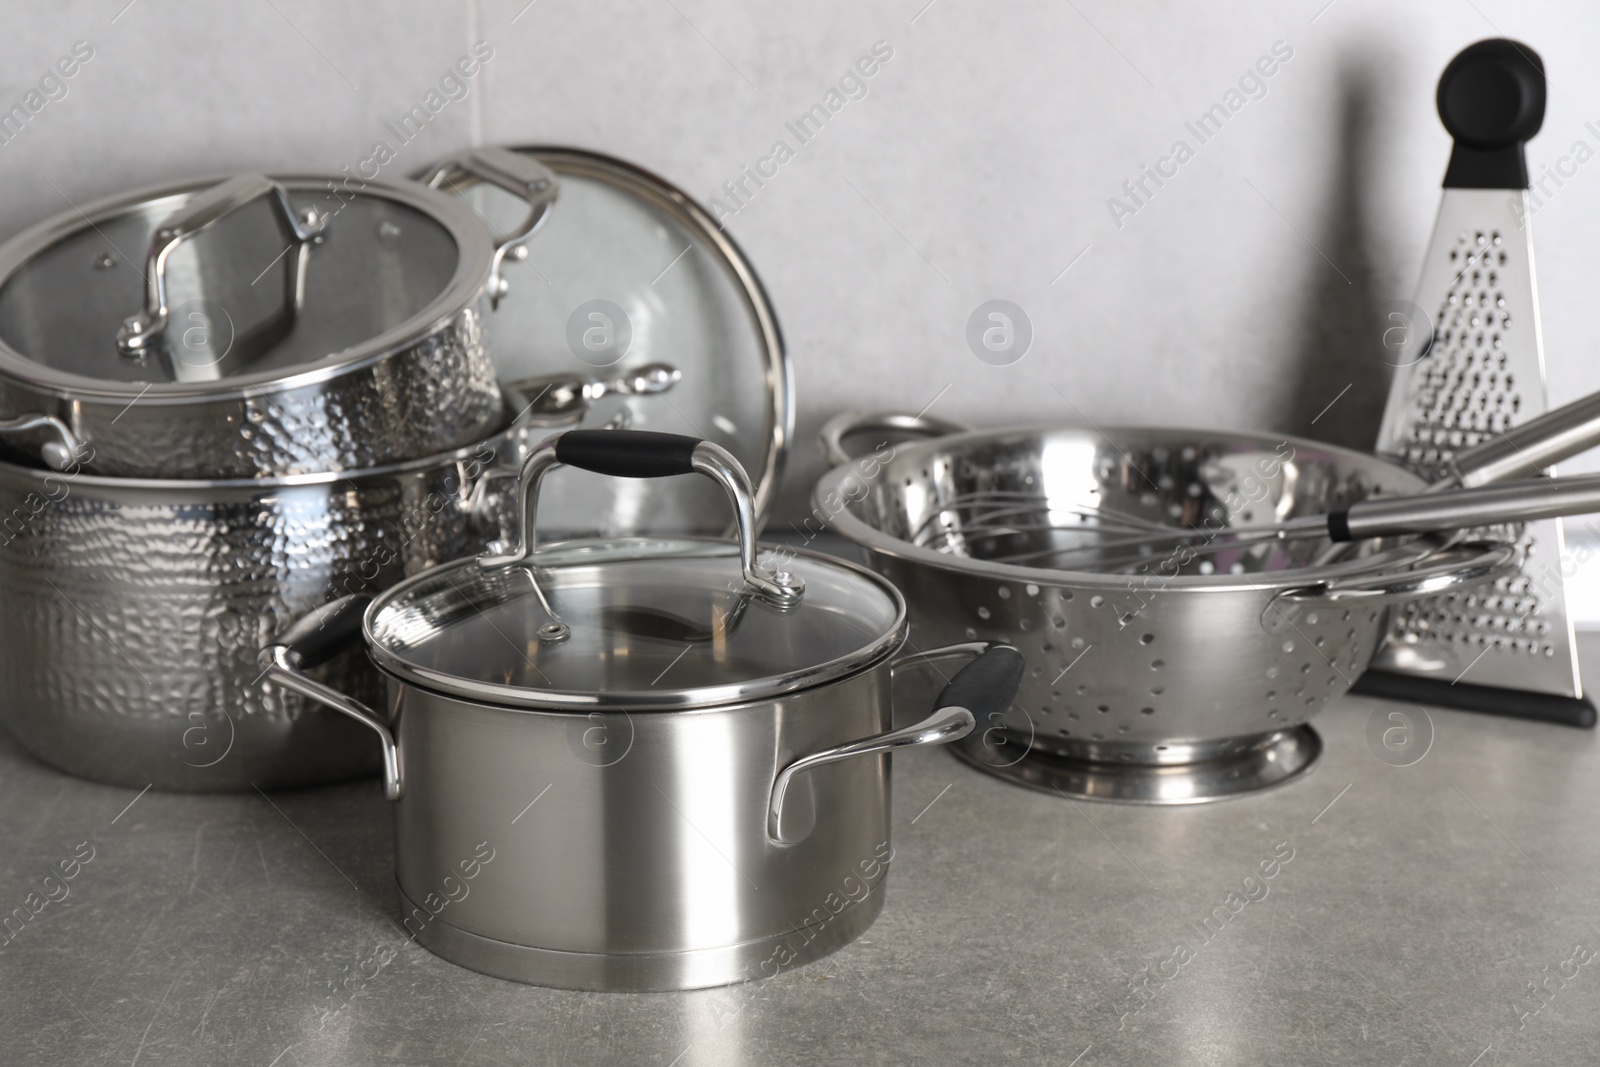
[1483, 372]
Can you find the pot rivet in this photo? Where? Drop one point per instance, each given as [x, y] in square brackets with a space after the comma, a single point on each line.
[104, 261]
[554, 631]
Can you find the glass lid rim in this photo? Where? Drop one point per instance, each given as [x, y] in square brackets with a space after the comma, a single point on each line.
[474, 251]
[638, 181]
[890, 638]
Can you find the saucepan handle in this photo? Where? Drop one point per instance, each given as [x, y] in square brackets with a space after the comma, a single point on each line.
[836, 430]
[986, 685]
[313, 641]
[141, 331]
[1443, 571]
[517, 173]
[646, 454]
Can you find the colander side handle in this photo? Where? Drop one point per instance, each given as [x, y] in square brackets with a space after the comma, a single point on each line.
[1443, 571]
[835, 431]
[986, 685]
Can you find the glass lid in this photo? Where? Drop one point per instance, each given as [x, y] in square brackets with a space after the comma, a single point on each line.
[635, 622]
[237, 282]
[627, 276]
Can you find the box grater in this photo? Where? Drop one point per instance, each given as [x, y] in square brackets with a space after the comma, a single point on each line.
[1507, 648]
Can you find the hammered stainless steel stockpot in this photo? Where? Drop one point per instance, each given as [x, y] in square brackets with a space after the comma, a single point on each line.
[673, 752]
[256, 327]
[135, 608]
[1188, 676]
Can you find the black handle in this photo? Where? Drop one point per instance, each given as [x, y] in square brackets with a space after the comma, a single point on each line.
[987, 685]
[627, 453]
[1491, 99]
[1485, 699]
[326, 632]
[1339, 526]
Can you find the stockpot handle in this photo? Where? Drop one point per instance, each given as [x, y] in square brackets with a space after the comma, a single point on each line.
[832, 436]
[313, 641]
[140, 332]
[517, 173]
[1443, 571]
[646, 454]
[59, 454]
[983, 687]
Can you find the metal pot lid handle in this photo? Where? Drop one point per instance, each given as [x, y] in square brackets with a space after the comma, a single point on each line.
[59, 454]
[313, 641]
[644, 454]
[1443, 571]
[983, 687]
[564, 399]
[832, 436]
[518, 174]
[140, 332]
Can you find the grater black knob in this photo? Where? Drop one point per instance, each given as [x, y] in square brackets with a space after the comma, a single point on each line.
[1491, 99]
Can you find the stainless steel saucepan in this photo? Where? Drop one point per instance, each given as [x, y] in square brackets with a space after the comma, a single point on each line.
[674, 752]
[1179, 677]
[258, 326]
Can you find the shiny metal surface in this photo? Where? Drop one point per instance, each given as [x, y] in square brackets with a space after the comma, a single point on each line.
[660, 823]
[1176, 664]
[944, 725]
[1432, 511]
[1523, 450]
[60, 444]
[691, 299]
[645, 623]
[781, 588]
[135, 609]
[521, 176]
[139, 333]
[384, 359]
[286, 674]
[654, 971]
[1480, 378]
[673, 873]
[1252, 765]
[1509, 502]
[566, 398]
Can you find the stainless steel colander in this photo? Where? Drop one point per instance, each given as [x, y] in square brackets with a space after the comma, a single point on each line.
[1183, 679]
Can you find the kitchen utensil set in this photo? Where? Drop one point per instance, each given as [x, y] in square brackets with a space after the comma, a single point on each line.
[273, 535]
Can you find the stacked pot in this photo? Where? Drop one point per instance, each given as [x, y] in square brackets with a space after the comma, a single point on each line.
[223, 404]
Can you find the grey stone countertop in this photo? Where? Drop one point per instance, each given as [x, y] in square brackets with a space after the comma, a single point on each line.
[1445, 912]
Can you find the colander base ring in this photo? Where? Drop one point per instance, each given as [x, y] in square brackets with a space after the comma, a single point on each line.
[1286, 758]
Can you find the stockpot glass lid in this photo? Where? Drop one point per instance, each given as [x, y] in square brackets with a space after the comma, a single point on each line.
[271, 277]
[628, 272]
[635, 622]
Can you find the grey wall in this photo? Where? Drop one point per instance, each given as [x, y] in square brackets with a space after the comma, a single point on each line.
[978, 166]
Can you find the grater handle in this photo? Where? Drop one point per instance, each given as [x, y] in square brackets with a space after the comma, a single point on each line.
[1523, 451]
[1491, 98]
